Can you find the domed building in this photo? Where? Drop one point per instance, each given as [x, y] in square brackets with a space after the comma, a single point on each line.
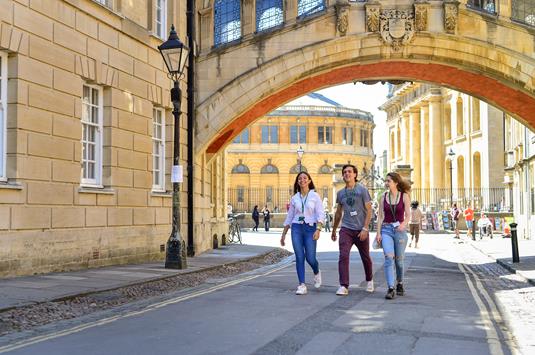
[263, 160]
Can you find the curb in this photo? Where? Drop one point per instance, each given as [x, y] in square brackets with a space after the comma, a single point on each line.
[139, 282]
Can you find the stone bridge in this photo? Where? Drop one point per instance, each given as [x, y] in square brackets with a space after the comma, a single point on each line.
[253, 58]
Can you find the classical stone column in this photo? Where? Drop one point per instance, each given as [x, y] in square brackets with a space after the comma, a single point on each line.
[404, 126]
[424, 145]
[414, 144]
[436, 149]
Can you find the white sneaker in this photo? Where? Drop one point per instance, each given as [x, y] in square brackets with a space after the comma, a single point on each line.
[301, 290]
[369, 287]
[317, 280]
[342, 291]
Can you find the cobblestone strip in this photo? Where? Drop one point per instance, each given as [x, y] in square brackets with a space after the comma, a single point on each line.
[32, 316]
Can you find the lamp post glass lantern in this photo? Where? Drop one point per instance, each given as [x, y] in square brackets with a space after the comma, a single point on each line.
[300, 153]
[175, 55]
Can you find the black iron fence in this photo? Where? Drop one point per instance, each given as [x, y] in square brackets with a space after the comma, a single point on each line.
[244, 199]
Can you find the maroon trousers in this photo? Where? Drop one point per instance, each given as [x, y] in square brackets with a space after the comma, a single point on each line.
[348, 238]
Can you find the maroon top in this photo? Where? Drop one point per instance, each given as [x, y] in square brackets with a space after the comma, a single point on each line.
[399, 210]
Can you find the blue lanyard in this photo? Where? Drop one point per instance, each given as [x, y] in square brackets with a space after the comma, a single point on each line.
[303, 202]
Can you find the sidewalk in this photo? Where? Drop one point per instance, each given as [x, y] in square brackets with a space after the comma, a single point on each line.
[21, 291]
[500, 249]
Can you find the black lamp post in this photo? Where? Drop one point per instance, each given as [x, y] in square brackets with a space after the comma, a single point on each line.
[175, 55]
[300, 153]
[451, 155]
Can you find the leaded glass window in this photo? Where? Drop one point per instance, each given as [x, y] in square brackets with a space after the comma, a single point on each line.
[269, 169]
[297, 168]
[91, 135]
[309, 7]
[524, 11]
[243, 137]
[227, 22]
[325, 135]
[270, 134]
[269, 14]
[240, 169]
[484, 5]
[347, 135]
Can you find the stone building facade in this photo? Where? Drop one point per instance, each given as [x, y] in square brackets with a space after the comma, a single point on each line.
[262, 162]
[519, 176]
[86, 136]
[435, 133]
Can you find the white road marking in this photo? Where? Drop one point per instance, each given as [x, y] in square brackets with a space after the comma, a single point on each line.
[41, 338]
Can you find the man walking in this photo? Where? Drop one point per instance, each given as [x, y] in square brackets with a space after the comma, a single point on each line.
[354, 209]
[469, 217]
[455, 213]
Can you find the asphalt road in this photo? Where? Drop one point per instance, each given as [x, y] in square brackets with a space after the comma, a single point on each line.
[446, 310]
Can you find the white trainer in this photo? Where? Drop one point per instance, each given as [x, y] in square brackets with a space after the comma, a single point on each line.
[369, 287]
[317, 280]
[342, 291]
[301, 290]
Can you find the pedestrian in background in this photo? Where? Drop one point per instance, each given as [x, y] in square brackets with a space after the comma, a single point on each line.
[469, 218]
[327, 215]
[354, 209]
[394, 212]
[455, 213]
[256, 218]
[267, 216]
[305, 218]
[414, 224]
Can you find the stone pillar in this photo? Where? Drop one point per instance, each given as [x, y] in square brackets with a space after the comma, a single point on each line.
[248, 17]
[436, 151]
[290, 15]
[424, 145]
[414, 144]
[404, 126]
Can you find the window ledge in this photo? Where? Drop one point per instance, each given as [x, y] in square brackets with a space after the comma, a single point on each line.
[95, 190]
[161, 194]
[11, 185]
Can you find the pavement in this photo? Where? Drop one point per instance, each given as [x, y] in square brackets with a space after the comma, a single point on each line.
[27, 290]
[21, 291]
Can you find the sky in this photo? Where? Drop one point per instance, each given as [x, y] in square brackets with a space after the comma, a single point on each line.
[367, 98]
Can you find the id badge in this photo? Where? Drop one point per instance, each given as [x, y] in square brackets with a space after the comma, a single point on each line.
[396, 224]
[301, 219]
[353, 213]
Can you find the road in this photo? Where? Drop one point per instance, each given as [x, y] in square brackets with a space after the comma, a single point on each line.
[451, 306]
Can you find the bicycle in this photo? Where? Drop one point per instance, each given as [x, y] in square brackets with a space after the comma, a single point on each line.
[234, 230]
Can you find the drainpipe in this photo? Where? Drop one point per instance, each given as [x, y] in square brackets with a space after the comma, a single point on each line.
[190, 32]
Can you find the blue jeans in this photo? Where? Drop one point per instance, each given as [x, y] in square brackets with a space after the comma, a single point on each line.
[394, 244]
[304, 248]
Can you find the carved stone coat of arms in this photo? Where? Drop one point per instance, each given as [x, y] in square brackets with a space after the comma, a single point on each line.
[397, 27]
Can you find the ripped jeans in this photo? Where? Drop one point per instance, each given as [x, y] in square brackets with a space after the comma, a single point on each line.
[394, 244]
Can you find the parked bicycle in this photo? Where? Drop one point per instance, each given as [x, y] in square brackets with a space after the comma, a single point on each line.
[234, 230]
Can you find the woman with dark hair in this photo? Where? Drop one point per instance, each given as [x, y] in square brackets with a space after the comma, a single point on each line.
[305, 217]
[394, 214]
[256, 218]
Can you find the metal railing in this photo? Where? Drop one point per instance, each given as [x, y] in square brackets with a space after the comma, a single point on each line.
[486, 199]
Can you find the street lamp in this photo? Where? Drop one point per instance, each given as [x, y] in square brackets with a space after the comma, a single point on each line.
[451, 155]
[175, 55]
[300, 153]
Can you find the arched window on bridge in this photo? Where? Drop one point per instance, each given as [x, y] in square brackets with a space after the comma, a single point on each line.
[227, 22]
[309, 7]
[269, 14]
[523, 11]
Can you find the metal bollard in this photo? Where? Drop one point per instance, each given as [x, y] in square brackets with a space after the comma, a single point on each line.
[474, 229]
[514, 243]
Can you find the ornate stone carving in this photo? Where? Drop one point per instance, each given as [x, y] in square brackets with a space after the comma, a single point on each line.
[373, 11]
[397, 27]
[420, 16]
[451, 13]
[342, 13]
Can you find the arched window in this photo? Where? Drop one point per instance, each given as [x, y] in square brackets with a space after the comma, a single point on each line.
[295, 169]
[268, 14]
[240, 169]
[269, 169]
[325, 169]
[460, 117]
[309, 7]
[227, 22]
